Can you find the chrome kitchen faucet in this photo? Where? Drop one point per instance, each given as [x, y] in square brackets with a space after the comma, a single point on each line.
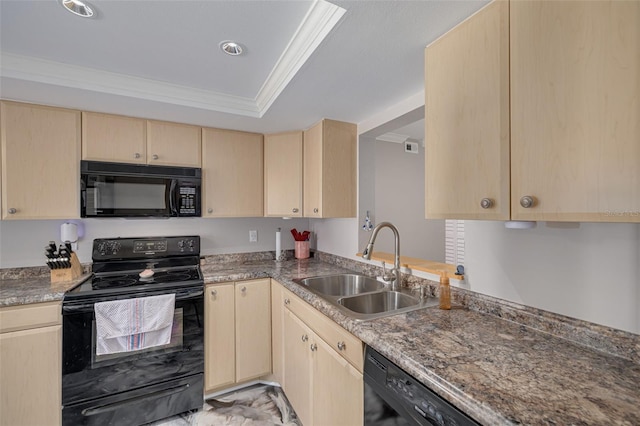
[395, 276]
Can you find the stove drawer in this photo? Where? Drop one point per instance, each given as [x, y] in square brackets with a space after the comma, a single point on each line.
[139, 406]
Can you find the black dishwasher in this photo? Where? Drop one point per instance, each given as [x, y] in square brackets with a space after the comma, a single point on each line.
[393, 397]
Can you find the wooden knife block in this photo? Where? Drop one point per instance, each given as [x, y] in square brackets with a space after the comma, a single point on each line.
[68, 274]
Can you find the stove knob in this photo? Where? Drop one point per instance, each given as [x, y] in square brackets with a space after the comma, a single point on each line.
[181, 243]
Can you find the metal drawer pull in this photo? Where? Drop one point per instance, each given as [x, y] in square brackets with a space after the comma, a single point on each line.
[315, 210]
[243, 289]
[214, 292]
[155, 156]
[295, 210]
[136, 155]
[342, 346]
[305, 337]
[287, 301]
[313, 347]
[13, 211]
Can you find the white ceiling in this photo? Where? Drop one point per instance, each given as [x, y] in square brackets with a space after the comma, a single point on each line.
[305, 60]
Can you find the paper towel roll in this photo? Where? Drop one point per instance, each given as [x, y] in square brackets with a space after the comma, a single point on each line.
[278, 245]
[69, 232]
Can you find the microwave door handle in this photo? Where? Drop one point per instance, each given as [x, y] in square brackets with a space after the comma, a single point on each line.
[173, 196]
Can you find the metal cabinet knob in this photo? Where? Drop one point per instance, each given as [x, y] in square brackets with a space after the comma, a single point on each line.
[527, 201]
[486, 203]
[287, 301]
[136, 155]
[341, 346]
[305, 337]
[12, 211]
[155, 156]
[214, 292]
[243, 289]
[315, 210]
[209, 210]
[313, 347]
[295, 210]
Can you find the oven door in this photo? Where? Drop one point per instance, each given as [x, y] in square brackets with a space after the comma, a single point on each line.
[87, 376]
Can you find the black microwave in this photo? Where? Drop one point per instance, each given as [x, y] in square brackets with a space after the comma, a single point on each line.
[133, 190]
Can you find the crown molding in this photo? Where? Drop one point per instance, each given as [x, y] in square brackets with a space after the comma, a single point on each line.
[314, 28]
[95, 80]
[316, 25]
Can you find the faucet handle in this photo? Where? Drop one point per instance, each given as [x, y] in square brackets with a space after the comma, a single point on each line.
[386, 276]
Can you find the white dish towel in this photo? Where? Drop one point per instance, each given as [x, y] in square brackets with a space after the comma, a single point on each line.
[133, 324]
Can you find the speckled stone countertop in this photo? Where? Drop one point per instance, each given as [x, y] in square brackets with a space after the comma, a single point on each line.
[34, 289]
[496, 370]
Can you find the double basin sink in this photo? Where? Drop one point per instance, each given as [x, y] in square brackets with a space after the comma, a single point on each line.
[361, 297]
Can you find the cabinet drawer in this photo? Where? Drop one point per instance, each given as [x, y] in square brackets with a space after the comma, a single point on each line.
[13, 318]
[343, 342]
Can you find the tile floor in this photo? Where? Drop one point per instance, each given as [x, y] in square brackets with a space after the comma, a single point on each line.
[258, 405]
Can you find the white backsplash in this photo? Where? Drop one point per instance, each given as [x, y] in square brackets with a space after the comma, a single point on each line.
[22, 242]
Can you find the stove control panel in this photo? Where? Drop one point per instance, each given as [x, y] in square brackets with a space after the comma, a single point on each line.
[147, 246]
[143, 248]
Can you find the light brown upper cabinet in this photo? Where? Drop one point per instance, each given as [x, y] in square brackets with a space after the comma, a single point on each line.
[232, 173]
[575, 111]
[329, 168]
[40, 162]
[566, 76]
[467, 119]
[117, 138]
[173, 144]
[283, 174]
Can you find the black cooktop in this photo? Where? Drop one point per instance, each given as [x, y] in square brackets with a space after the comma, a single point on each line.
[125, 266]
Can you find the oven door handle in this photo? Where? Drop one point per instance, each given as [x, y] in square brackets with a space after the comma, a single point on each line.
[116, 405]
[88, 307]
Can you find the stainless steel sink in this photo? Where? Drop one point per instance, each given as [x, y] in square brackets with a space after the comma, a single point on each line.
[373, 303]
[342, 284]
[361, 297]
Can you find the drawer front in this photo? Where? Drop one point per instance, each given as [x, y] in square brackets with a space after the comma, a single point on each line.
[23, 317]
[343, 342]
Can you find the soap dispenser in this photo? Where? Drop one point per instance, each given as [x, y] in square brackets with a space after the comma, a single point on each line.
[445, 292]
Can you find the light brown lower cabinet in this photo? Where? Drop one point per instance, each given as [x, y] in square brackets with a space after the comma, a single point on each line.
[31, 365]
[323, 383]
[237, 332]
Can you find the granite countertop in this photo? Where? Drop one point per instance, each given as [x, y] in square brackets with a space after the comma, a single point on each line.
[34, 289]
[496, 371]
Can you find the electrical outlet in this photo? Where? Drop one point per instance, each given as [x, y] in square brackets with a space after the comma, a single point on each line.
[253, 236]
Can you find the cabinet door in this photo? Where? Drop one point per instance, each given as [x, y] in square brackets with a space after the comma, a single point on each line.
[575, 85]
[283, 174]
[467, 119]
[219, 336]
[40, 162]
[113, 138]
[312, 167]
[330, 170]
[337, 389]
[31, 385]
[232, 169]
[277, 332]
[253, 329]
[173, 144]
[298, 366]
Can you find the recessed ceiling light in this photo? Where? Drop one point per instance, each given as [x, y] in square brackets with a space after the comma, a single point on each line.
[231, 48]
[78, 8]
